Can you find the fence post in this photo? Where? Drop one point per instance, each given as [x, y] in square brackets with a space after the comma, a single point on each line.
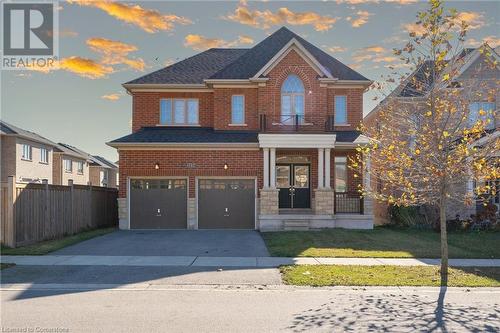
[10, 237]
[46, 222]
[72, 195]
[91, 212]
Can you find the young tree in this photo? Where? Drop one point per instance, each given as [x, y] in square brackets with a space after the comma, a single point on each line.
[428, 144]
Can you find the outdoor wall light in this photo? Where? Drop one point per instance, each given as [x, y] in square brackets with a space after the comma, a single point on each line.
[226, 166]
[157, 165]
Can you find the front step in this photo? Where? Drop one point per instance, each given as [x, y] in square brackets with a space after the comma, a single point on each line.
[296, 225]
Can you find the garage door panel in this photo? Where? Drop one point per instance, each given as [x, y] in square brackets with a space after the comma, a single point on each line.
[158, 204]
[226, 204]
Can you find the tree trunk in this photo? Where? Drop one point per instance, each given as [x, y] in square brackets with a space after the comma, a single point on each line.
[444, 242]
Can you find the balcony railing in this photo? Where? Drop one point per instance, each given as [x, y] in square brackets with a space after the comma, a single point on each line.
[295, 123]
[348, 203]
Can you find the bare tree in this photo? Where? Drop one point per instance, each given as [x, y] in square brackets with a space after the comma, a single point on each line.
[428, 143]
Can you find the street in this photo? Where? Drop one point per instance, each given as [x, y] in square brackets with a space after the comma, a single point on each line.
[147, 307]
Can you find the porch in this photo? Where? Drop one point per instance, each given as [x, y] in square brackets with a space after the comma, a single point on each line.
[308, 185]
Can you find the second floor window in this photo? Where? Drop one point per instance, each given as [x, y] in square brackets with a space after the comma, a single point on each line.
[237, 109]
[44, 155]
[80, 167]
[340, 110]
[26, 152]
[68, 165]
[340, 174]
[292, 100]
[484, 111]
[177, 111]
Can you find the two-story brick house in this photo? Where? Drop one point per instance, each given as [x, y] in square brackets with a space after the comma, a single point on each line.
[253, 138]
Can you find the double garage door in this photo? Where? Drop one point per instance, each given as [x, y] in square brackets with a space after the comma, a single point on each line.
[222, 203]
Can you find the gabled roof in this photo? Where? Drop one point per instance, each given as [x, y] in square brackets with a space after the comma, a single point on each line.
[94, 160]
[8, 129]
[72, 151]
[237, 64]
[104, 162]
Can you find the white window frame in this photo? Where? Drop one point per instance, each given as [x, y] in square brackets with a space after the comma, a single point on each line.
[288, 117]
[335, 120]
[186, 112]
[68, 162]
[27, 152]
[78, 170]
[232, 110]
[44, 156]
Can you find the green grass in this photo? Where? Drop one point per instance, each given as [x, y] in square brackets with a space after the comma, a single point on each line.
[55, 244]
[327, 275]
[7, 265]
[382, 242]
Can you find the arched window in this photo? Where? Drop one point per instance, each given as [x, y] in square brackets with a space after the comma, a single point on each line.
[292, 100]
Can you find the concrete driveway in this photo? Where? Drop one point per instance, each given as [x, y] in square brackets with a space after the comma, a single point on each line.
[201, 243]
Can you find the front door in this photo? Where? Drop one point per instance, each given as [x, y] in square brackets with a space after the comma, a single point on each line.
[293, 182]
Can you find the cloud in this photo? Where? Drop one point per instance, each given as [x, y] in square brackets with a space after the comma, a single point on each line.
[112, 97]
[474, 20]
[385, 59]
[372, 49]
[356, 66]
[492, 41]
[360, 58]
[414, 28]
[337, 49]
[266, 19]
[85, 67]
[359, 2]
[362, 18]
[373, 52]
[147, 19]
[200, 43]
[115, 52]
[168, 62]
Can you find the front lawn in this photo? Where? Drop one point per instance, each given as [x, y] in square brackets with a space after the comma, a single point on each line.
[328, 275]
[382, 242]
[55, 244]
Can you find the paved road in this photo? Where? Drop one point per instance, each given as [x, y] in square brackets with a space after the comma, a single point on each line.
[147, 308]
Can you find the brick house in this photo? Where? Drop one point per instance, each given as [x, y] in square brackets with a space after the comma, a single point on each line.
[253, 138]
[472, 65]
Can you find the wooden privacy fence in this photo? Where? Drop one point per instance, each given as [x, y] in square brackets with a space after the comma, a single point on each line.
[34, 212]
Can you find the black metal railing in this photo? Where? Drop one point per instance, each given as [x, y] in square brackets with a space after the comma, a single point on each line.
[348, 203]
[295, 123]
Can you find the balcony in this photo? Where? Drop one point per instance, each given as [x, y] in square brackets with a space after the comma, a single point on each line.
[348, 203]
[295, 123]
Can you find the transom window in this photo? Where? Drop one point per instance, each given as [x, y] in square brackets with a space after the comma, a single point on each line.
[340, 110]
[238, 109]
[292, 100]
[179, 111]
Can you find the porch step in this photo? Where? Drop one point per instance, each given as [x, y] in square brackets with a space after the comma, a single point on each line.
[296, 225]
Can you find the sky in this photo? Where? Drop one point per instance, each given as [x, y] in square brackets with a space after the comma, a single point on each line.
[103, 44]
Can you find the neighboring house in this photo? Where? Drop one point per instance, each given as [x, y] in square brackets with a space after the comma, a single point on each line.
[70, 165]
[253, 138]
[472, 66]
[25, 155]
[103, 172]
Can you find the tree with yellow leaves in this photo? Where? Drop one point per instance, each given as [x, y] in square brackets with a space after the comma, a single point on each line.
[438, 136]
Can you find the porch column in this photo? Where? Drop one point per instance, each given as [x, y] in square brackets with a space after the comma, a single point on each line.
[266, 167]
[272, 180]
[321, 165]
[327, 168]
[367, 200]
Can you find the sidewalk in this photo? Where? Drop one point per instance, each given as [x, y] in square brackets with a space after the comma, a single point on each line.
[261, 262]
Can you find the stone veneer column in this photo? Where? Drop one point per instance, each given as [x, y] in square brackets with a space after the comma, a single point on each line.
[269, 204]
[192, 221]
[323, 201]
[122, 213]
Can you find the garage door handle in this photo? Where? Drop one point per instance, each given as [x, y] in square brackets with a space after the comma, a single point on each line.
[158, 213]
[226, 211]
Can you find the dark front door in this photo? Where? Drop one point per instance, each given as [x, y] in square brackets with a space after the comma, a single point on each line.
[226, 204]
[293, 182]
[158, 204]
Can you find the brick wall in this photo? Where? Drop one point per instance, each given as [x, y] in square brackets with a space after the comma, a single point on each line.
[222, 108]
[354, 106]
[146, 107]
[174, 163]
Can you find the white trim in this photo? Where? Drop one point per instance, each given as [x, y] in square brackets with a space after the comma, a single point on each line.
[302, 51]
[327, 168]
[297, 140]
[272, 168]
[265, 151]
[162, 86]
[321, 168]
[181, 145]
[232, 110]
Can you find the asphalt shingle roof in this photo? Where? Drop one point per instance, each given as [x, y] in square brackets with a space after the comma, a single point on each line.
[241, 63]
[187, 135]
[8, 129]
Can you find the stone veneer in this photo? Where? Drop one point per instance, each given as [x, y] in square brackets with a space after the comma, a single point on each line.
[192, 222]
[123, 213]
[269, 204]
[323, 201]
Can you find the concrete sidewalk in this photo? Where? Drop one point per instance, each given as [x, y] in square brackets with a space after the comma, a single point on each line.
[266, 262]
